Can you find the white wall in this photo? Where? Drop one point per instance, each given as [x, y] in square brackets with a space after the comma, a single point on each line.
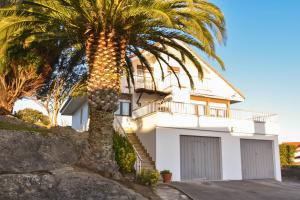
[168, 151]
[177, 120]
[145, 131]
[76, 123]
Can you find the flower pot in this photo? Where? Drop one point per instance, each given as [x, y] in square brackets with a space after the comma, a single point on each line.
[167, 177]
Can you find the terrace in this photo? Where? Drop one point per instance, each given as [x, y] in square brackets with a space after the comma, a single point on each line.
[189, 115]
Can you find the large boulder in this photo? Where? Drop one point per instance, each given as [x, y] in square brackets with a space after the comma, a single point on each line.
[39, 166]
[66, 183]
[28, 152]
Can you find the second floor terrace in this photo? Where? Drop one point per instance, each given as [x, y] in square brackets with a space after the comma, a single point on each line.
[190, 115]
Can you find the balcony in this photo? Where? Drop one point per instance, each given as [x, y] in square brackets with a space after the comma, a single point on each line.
[201, 110]
[188, 115]
[146, 84]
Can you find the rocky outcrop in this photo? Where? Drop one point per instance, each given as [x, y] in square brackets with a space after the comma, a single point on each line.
[65, 183]
[23, 152]
[41, 167]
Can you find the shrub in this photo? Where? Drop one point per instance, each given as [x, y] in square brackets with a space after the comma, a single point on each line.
[124, 153]
[287, 154]
[32, 116]
[148, 177]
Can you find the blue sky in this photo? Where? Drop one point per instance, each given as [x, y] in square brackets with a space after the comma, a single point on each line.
[262, 57]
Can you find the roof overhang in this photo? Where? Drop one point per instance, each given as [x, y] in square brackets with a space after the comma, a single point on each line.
[72, 104]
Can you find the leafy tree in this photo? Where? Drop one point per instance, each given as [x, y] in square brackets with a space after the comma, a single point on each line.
[111, 31]
[32, 116]
[287, 154]
[69, 74]
[20, 75]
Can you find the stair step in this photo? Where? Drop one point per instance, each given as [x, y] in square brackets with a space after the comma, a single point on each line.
[146, 159]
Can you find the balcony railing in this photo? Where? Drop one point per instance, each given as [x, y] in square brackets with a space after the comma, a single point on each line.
[201, 110]
[146, 82]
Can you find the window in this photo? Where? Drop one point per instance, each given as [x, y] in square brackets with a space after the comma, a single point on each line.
[124, 109]
[218, 112]
[201, 110]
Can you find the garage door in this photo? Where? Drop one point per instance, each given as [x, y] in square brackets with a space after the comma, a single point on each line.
[200, 158]
[257, 159]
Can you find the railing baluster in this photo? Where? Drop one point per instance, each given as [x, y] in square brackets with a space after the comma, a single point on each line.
[194, 109]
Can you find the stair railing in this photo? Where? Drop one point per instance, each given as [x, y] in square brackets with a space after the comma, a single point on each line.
[119, 128]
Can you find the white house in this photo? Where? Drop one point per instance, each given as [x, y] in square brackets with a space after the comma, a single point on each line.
[194, 133]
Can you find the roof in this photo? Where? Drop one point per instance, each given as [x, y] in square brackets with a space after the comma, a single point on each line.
[209, 66]
[72, 104]
[293, 143]
[214, 70]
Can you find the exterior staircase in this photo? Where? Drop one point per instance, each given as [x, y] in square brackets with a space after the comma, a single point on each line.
[146, 160]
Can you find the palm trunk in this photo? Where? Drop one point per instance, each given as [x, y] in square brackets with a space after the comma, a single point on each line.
[105, 55]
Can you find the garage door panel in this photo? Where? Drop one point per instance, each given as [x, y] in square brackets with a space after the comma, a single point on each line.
[257, 159]
[200, 158]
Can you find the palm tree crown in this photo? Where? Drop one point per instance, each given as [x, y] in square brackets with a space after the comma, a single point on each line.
[147, 25]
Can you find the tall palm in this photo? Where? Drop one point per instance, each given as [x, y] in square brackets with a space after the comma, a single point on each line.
[111, 31]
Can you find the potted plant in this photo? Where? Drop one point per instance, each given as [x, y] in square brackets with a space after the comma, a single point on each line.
[166, 175]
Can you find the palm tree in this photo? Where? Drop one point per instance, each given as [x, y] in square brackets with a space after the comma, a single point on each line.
[112, 31]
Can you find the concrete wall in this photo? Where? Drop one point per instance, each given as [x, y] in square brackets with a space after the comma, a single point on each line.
[177, 120]
[145, 131]
[168, 150]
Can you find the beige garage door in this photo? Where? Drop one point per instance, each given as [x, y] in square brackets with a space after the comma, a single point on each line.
[200, 158]
[257, 159]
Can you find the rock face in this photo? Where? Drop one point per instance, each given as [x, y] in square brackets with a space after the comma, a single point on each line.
[31, 152]
[39, 167]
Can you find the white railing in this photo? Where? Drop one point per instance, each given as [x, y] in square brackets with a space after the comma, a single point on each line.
[201, 110]
[146, 82]
[251, 115]
[119, 129]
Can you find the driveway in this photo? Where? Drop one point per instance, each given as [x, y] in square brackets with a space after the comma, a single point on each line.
[240, 190]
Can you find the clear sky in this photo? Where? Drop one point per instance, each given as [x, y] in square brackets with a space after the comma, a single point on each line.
[262, 57]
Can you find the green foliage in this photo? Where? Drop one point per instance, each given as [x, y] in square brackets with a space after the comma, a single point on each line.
[165, 172]
[32, 116]
[124, 153]
[287, 154]
[148, 177]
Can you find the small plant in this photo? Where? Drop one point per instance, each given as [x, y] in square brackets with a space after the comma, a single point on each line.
[124, 153]
[148, 177]
[33, 116]
[166, 175]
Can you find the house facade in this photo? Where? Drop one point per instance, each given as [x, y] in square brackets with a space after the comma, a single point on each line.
[193, 132]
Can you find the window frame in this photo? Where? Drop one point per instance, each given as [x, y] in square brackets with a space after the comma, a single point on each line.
[121, 109]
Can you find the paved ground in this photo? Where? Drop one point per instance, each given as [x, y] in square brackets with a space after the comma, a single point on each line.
[168, 193]
[241, 190]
